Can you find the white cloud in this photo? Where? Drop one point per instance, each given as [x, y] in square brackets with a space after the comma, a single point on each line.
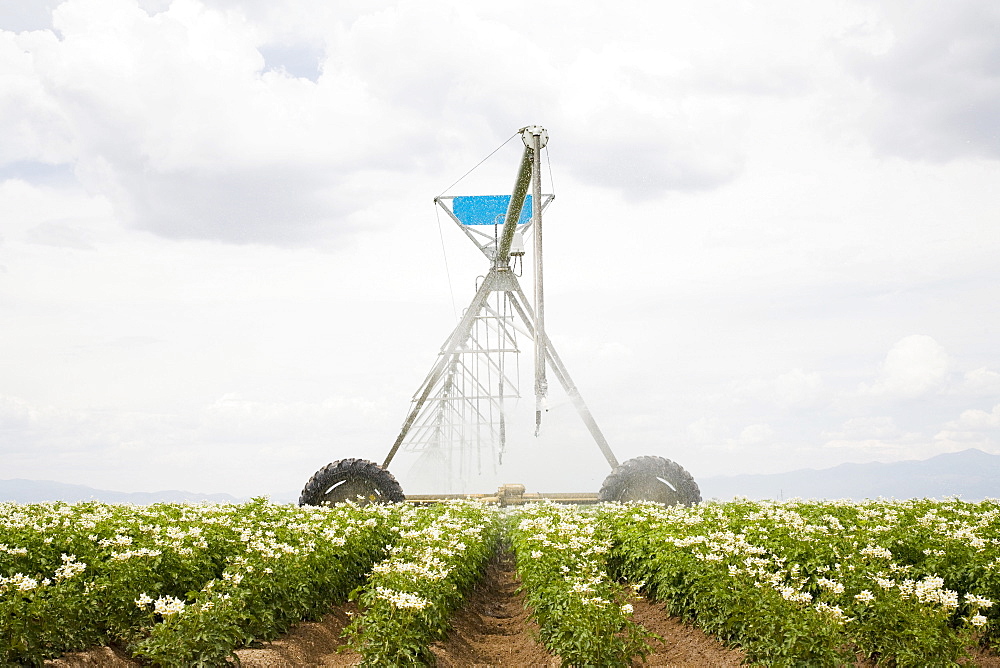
[905, 446]
[915, 365]
[798, 388]
[935, 88]
[980, 382]
[880, 438]
[302, 423]
[977, 420]
[173, 112]
[150, 450]
[876, 438]
[34, 212]
[791, 390]
[756, 434]
[974, 428]
[172, 117]
[726, 256]
[706, 431]
[881, 427]
[15, 413]
[36, 129]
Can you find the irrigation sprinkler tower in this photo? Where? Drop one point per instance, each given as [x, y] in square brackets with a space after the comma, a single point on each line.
[459, 415]
[460, 411]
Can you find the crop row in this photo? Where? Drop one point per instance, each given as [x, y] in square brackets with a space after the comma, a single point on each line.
[583, 615]
[793, 583]
[907, 583]
[408, 598]
[176, 584]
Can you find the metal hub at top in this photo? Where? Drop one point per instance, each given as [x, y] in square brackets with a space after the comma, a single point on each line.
[529, 133]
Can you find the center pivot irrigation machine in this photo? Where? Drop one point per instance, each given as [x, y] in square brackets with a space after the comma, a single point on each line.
[460, 406]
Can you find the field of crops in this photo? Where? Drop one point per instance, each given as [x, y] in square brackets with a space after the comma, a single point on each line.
[908, 583]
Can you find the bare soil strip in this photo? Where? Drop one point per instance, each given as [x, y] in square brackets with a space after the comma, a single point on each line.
[682, 644]
[493, 628]
[307, 644]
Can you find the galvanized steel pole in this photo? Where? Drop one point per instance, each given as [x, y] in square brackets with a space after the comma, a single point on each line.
[541, 383]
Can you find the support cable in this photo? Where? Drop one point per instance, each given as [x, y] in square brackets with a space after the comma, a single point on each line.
[447, 270]
[479, 163]
[548, 160]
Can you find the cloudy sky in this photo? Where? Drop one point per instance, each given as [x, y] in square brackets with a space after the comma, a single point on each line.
[774, 241]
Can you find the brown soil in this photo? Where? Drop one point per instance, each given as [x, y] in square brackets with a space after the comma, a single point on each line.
[106, 657]
[984, 658]
[493, 628]
[307, 644]
[682, 644]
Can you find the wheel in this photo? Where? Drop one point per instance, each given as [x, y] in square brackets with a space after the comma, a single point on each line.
[651, 479]
[351, 479]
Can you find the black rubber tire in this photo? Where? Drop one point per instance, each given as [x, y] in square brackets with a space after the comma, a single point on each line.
[351, 479]
[651, 479]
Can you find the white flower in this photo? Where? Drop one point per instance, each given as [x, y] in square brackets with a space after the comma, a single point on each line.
[235, 578]
[143, 600]
[627, 609]
[141, 552]
[978, 620]
[21, 551]
[832, 585]
[596, 601]
[22, 582]
[118, 541]
[877, 552]
[402, 599]
[865, 597]
[69, 568]
[168, 605]
[930, 590]
[794, 595]
[978, 601]
[832, 611]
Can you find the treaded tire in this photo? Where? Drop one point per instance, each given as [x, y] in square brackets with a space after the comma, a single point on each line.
[351, 479]
[651, 478]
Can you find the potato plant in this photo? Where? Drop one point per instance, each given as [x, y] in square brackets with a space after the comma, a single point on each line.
[441, 551]
[584, 616]
[794, 583]
[177, 584]
[902, 583]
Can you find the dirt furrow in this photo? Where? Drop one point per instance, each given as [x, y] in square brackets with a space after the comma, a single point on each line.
[681, 644]
[493, 628]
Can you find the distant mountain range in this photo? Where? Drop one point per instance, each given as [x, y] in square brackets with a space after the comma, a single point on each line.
[971, 474]
[36, 491]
